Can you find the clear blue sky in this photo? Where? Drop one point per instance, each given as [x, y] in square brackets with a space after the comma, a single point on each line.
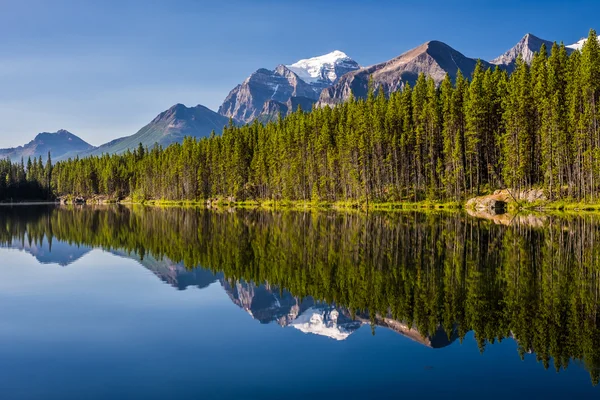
[103, 69]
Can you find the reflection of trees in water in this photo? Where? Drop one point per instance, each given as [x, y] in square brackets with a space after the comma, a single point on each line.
[536, 284]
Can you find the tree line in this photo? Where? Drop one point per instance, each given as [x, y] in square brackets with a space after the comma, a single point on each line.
[537, 127]
[539, 286]
[31, 181]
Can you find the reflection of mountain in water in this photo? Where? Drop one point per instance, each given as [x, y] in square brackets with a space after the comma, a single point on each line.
[172, 273]
[416, 269]
[53, 252]
[267, 304]
[264, 303]
[327, 321]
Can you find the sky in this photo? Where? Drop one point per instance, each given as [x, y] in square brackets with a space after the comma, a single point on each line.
[103, 69]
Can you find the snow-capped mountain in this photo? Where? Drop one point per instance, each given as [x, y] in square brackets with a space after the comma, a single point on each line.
[266, 93]
[324, 69]
[579, 44]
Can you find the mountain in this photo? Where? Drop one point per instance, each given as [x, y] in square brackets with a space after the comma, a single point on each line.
[268, 304]
[168, 127]
[433, 59]
[170, 272]
[246, 101]
[265, 93]
[579, 44]
[526, 48]
[57, 144]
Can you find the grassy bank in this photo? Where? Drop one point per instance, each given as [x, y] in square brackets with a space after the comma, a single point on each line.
[559, 206]
[305, 205]
[512, 206]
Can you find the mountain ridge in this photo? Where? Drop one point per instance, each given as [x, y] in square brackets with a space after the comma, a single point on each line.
[168, 127]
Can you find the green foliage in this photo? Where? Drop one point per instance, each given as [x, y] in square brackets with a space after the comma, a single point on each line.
[20, 181]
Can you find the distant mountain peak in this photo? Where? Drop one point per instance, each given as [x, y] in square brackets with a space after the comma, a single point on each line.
[59, 133]
[58, 144]
[525, 48]
[178, 106]
[176, 111]
[530, 36]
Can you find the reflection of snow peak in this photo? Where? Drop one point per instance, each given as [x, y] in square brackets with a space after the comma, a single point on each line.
[324, 322]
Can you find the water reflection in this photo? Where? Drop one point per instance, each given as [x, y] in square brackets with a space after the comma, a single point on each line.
[431, 277]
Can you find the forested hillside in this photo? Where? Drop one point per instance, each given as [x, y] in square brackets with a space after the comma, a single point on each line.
[537, 127]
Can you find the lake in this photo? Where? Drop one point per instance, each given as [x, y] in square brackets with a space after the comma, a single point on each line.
[136, 302]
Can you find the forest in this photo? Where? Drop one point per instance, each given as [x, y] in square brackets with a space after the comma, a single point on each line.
[537, 285]
[535, 128]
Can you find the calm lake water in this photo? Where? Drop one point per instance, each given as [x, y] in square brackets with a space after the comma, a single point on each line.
[150, 303]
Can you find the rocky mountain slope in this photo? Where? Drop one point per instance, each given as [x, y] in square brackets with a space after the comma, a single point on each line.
[247, 100]
[433, 59]
[57, 144]
[526, 49]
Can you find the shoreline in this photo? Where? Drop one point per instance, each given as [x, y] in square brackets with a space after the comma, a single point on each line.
[298, 205]
[30, 203]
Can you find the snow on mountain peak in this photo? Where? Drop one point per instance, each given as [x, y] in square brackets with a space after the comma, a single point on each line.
[324, 323]
[323, 68]
[579, 44]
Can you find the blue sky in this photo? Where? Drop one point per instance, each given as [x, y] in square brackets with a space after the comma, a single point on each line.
[103, 69]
